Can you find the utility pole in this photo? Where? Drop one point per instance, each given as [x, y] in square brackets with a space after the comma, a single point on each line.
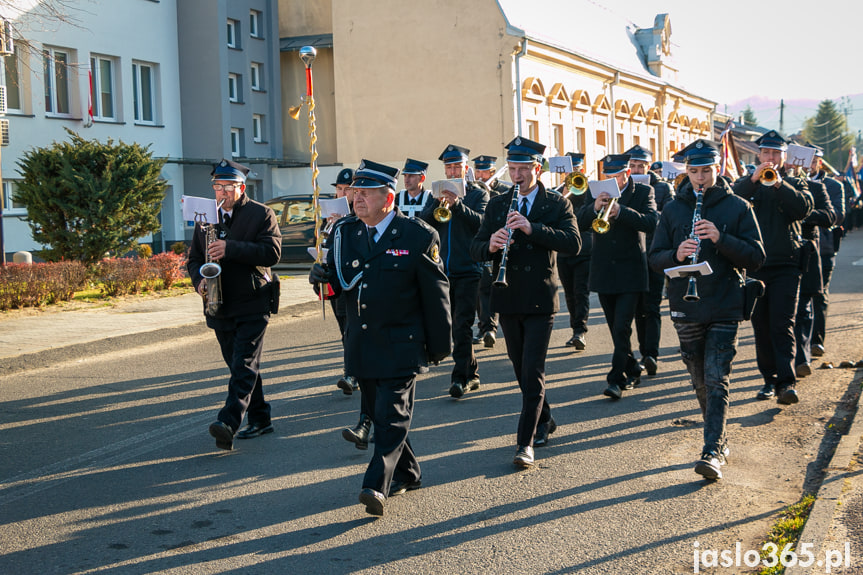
[782, 117]
[6, 49]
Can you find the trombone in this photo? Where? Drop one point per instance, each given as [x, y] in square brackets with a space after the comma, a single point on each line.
[602, 222]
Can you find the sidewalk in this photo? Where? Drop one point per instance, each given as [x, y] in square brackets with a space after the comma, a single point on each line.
[55, 330]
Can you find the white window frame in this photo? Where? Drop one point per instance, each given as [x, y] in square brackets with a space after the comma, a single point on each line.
[15, 85]
[138, 95]
[236, 142]
[233, 33]
[256, 76]
[51, 68]
[257, 128]
[96, 87]
[8, 208]
[255, 24]
[233, 87]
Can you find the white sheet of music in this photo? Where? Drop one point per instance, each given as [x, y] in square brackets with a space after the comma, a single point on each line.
[799, 155]
[671, 170]
[337, 207]
[641, 179]
[454, 185]
[700, 269]
[599, 186]
[560, 164]
[197, 209]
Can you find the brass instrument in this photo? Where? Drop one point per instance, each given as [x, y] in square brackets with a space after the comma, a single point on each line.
[500, 281]
[442, 213]
[769, 177]
[211, 271]
[692, 290]
[602, 223]
[575, 183]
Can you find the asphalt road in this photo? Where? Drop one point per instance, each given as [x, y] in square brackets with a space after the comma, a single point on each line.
[106, 465]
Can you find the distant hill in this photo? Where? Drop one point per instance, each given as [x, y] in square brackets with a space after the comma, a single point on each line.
[796, 111]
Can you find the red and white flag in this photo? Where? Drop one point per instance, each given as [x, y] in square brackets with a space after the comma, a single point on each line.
[89, 97]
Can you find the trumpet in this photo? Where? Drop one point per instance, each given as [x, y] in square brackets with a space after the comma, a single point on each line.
[575, 183]
[602, 223]
[211, 271]
[442, 213]
[500, 281]
[769, 177]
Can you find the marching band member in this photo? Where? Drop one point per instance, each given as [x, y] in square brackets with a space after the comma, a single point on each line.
[730, 242]
[780, 205]
[464, 274]
[414, 197]
[618, 265]
[378, 253]
[542, 224]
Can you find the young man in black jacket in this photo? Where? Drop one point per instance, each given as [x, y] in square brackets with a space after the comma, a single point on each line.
[780, 204]
[248, 242]
[727, 237]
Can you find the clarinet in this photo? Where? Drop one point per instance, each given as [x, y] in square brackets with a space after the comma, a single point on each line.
[692, 290]
[501, 273]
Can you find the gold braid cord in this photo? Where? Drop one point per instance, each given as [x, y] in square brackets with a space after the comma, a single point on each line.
[316, 190]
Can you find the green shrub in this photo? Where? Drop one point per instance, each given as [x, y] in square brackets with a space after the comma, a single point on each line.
[178, 248]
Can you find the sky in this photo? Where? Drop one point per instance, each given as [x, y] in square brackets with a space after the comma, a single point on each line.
[731, 50]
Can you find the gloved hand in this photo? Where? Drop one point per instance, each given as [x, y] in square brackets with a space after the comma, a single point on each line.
[436, 358]
[319, 274]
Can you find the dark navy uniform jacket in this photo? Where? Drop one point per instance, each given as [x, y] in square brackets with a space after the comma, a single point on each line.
[457, 234]
[618, 263]
[396, 294]
[822, 216]
[531, 265]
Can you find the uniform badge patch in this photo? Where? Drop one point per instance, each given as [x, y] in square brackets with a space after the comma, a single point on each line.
[435, 254]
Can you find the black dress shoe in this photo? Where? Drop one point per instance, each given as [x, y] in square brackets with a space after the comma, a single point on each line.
[817, 350]
[254, 430]
[543, 430]
[765, 392]
[399, 487]
[613, 391]
[359, 435]
[803, 369]
[373, 500]
[786, 396]
[489, 339]
[224, 435]
[457, 389]
[348, 384]
[524, 456]
[579, 342]
[650, 365]
[632, 381]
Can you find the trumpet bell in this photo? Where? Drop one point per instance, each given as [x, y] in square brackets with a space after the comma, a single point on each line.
[210, 270]
[442, 214]
[769, 177]
[600, 226]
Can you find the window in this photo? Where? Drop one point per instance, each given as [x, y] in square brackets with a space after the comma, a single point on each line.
[233, 34]
[144, 84]
[255, 24]
[102, 87]
[256, 81]
[600, 137]
[57, 101]
[9, 189]
[557, 136]
[12, 81]
[533, 130]
[236, 142]
[233, 87]
[579, 140]
[621, 145]
[257, 127]
[636, 140]
[653, 146]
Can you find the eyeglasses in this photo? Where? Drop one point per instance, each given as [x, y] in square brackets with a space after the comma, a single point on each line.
[227, 188]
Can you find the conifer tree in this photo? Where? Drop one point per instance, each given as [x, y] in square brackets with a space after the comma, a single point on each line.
[828, 130]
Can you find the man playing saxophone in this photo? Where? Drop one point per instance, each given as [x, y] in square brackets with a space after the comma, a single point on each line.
[246, 244]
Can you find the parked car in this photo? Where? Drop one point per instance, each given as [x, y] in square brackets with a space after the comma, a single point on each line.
[297, 224]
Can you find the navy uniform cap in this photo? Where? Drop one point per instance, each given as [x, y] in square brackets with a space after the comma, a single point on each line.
[615, 163]
[414, 167]
[772, 140]
[819, 151]
[454, 155]
[484, 162]
[577, 159]
[521, 150]
[374, 175]
[345, 176]
[700, 153]
[655, 166]
[638, 153]
[229, 171]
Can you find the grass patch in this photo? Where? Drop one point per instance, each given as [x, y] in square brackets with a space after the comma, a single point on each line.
[786, 531]
[95, 293]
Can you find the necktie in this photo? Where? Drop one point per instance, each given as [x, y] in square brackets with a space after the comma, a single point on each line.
[523, 208]
[226, 219]
[372, 233]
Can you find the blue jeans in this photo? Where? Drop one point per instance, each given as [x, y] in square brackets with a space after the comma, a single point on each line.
[707, 351]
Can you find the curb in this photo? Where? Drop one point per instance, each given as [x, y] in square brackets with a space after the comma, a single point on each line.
[829, 494]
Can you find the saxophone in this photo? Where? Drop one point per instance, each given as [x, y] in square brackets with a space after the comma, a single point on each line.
[211, 271]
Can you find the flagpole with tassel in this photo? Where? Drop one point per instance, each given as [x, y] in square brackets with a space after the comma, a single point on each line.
[307, 55]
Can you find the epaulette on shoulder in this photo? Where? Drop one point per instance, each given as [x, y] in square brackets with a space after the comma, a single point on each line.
[346, 220]
[420, 223]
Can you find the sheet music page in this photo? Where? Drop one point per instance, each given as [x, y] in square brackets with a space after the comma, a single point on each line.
[799, 156]
[336, 207]
[197, 209]
[671, 170]
[599, 186]
[454, 185]
[560, 164]
[701, 268]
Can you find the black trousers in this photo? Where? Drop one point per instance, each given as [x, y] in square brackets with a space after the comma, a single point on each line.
[527, 338]
[619, 310]
[391, 401]
[648, 317]
[242, 342]
[821, 301]
[462, 296]
[804, 323]
[487, 320]
[575, 275]
[773, 324]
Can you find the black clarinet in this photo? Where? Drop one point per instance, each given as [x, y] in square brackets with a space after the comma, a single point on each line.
[501, 273]
[692, 290]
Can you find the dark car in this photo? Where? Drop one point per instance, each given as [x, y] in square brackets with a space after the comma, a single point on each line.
[297, 223]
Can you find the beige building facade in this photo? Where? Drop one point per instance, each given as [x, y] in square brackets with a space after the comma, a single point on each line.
[404, 78]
